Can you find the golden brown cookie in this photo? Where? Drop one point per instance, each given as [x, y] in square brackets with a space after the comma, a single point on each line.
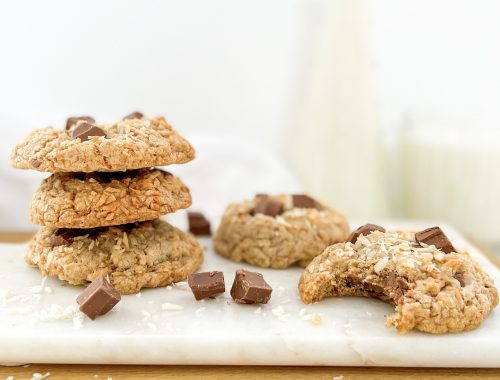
[132, 143]
[79, 200]
[278, 231]
[432, 291]
[142, 255]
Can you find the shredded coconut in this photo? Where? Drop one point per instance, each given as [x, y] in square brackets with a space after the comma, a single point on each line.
[167, 306]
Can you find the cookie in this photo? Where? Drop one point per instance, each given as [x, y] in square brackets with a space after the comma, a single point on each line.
[143, 255]
[432, 291]
[80, 200]
[132, 143]
[278, 231]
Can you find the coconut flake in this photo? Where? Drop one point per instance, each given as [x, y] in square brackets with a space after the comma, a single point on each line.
[381, 264]
[167, 306]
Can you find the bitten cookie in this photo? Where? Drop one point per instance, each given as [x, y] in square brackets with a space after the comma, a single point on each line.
[132, 143]
[278, 231]
[79, 200]
[142, 255]
[432, 291]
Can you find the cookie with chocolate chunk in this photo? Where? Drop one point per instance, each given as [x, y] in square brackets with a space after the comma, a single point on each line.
[432, 290]
[135, 256]
[80, 200]
[84, 146]
[278, 231]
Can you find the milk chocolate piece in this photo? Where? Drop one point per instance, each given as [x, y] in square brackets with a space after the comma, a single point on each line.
[436, 237]
[198, 224]
[65, 236]
[74, 119]
[134, 115]
[269, 207]
[98, 298]
[304, 201]
[84, 130]
[250, 287]
[364, 230]
[206, 284]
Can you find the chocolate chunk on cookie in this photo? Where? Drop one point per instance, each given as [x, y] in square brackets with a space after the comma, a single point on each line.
[292, 235]
[85, 130]
[269, 207]
[153, 254]
[304, 201]
[436, 237]
[364, 230]
[425, 285]
[134, 115]
[75, 119]
[89, 200]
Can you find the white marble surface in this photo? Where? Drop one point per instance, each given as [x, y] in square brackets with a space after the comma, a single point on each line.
[138, 331]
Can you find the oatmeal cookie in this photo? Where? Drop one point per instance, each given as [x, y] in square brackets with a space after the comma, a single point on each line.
[142, 255]
[132, 143]
[278, 231]
[80, 200]
[432, 291]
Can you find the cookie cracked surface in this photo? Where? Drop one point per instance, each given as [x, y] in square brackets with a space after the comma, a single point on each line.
[79, 200]
[128, 144]
[294, 236]
[432, 291]
[142, 255]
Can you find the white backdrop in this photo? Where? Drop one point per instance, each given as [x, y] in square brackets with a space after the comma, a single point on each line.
[232, 68]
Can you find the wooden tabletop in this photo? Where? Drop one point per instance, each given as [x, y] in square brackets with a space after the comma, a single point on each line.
[114, 372]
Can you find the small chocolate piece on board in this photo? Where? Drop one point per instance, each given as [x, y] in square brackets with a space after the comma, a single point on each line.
[75, 119]
[206, 284]
[268, 207]
[436, 237]
[364, 230]
[98, 298]
[84, 130]
[304, 201]
[250, 287]
[134, 115]
[198, 224]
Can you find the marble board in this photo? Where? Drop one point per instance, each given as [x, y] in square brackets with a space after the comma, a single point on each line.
[40, 323]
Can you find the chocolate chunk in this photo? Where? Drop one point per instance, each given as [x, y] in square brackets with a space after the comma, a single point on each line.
[436, 237]
[364, 230]
[269, 207]
[65, 236]
[198, 224]
[206, 284]
[460, 277]
[261, 195]
[106, 177]
[250, 287]
[134, 115]
[305, 201]
[84, 130]
[98, 298]
[35, 163]
[75, 119]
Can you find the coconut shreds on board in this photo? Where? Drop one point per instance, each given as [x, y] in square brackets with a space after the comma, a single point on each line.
[39, 376]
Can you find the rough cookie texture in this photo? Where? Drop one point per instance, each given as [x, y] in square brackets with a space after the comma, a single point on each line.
[294, 237]
[431, 291]
[78, 200]
[150, 255]
[128, 144]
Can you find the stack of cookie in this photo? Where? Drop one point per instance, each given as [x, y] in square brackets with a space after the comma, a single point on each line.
[100, 207]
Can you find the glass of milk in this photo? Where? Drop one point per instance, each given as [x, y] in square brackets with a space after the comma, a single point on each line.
[453, 174]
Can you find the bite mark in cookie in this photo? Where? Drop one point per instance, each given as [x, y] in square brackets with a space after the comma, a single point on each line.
[432, 291]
